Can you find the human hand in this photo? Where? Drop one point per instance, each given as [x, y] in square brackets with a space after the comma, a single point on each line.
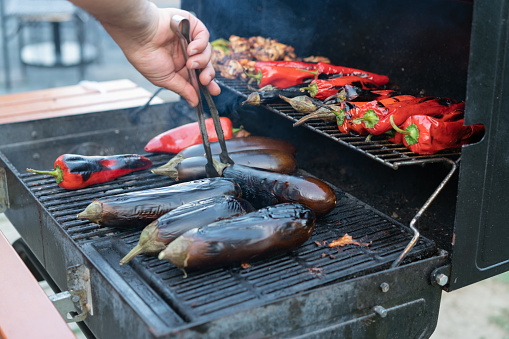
[154, 49]
[161, 61]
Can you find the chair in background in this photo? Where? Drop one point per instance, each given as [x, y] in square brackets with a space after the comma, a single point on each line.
[20, 15]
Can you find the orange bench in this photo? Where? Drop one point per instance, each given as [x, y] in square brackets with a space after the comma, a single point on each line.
[26, 310]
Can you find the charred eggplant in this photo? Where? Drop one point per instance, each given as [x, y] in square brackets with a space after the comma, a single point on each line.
[272, 229]
[194, 167]
[138, 209]
[158, 234]
[264, 188]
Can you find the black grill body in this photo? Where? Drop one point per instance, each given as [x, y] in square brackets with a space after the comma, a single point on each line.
[310, 291]
[449, 48]
[446, 48]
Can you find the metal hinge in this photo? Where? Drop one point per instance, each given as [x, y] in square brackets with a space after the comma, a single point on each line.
[4, 196]
[78, 299]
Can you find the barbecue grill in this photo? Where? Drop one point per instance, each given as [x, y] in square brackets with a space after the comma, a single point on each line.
[431, 222]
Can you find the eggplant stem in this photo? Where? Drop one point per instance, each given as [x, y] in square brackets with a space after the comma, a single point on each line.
[219, 166]
[137, 250]
[170, 168]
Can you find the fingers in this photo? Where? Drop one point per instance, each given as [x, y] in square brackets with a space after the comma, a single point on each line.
[180, 84]
[199, 38]
[199, 61]
[206, 79]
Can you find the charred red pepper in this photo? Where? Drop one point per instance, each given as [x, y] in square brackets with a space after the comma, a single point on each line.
[424, 134]
[287, 63]
[179, 138]
[376, 121]
[325, 68]
[323, 89]
[73, 171]
[279, 76]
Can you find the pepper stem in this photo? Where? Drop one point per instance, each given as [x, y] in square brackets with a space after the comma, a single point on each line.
[370, 118]
[312, 89]
[340, 116]
[58, 173]
[307, 70]
[396, 128]
[257, 77]
[411, 133]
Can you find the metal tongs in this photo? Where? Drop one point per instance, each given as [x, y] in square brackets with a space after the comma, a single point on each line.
[180, 26]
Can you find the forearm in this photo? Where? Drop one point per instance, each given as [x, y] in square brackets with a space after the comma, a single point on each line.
[119, 13]
[135, 17]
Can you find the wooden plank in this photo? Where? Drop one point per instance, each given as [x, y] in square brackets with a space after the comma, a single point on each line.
[61, 92]
[62, 104]
[80, 110]
[26, 310]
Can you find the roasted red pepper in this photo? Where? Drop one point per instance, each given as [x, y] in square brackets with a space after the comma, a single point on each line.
[73, 171]
[322, 89]
[179, 138]
[424, 134]
[401, 107]
[287, 63]
[279, 76]
[325, 68]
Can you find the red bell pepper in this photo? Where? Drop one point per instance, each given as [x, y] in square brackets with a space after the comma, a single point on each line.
[73, 171]
[179, 138]
[424, 134]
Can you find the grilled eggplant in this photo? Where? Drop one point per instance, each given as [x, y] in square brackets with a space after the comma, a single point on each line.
[158, 234]
[235, 145]
[270, 93]
[264, 188]
[194, 167]
[138, 209]
[272, 229]
[242, 144]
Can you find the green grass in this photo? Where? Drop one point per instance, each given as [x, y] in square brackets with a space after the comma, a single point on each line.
[502, 278]
[502, 321]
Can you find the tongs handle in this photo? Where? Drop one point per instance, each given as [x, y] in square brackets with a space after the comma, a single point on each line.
[181, 27]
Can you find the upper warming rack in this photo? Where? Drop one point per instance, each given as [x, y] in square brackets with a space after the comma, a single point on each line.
[379, 149]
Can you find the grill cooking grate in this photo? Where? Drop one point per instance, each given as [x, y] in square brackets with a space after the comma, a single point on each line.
[208, 294]
[389, 154]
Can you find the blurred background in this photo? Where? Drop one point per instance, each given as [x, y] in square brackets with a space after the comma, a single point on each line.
[29, 35]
